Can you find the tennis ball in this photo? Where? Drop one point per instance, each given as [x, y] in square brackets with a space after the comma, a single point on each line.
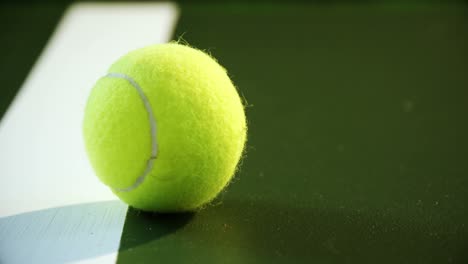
[165, 128]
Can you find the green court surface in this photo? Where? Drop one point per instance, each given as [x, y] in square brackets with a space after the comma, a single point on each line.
[357, 146]
[358, 136]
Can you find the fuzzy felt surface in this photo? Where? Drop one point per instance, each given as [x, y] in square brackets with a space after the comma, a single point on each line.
[201, 128]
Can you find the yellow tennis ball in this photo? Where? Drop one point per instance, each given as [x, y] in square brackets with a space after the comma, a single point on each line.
[165, 128]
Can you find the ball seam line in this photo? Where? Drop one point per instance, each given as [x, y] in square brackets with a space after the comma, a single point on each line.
[153, 126]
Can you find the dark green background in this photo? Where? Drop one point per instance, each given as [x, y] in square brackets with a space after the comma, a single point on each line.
[357, 145]
[358, 142]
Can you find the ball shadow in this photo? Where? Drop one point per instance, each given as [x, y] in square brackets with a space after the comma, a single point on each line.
[142, 227]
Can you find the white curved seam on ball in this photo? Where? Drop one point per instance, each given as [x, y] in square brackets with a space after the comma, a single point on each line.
[152, 121]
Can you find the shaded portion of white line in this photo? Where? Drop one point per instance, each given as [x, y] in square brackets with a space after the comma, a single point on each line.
[152, 122]
[62, 234]
[43, 164]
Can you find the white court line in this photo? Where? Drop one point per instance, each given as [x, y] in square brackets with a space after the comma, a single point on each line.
[42, 158]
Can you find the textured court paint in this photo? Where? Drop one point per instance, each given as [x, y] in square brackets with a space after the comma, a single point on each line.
[62, 234]
[43, 164]
[358, 138]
